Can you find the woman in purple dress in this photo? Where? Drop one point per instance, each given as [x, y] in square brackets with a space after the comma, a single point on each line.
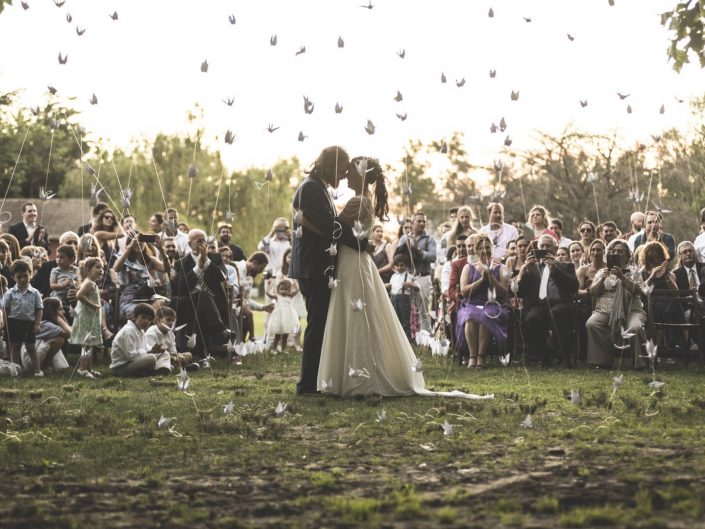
[482, 314]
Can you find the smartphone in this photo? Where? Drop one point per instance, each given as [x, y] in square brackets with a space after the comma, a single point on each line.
[613, 260]
[149, 238]
[540, 254]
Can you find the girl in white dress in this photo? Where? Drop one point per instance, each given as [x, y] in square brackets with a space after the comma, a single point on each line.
[365, 350]
[284, 320]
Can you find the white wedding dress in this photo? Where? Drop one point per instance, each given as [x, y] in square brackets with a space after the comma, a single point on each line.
[365, 352]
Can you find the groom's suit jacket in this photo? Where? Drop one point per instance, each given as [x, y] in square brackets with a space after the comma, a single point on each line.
[309, 259]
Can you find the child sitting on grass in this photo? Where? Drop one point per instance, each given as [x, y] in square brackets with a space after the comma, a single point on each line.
[53, 332]
[23, 311]
[130, 355]
[161, 334]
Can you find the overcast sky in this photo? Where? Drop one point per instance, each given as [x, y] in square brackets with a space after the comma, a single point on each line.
[145, 69]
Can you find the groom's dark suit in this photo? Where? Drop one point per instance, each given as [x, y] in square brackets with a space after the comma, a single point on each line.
[308, 265]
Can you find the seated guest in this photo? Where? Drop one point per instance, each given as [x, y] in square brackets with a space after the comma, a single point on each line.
[134, 275]
[498, 231]
[576, 251]
[616, 292]
[107, 230]
[129, 354]
[654, 272]
[562, 255]
[586, 273]
[654, 232]
[637, 225]
[699, 241]
[161, 334]
[5, 264]
[587, 233]
[515, 263]
[200, 298]
[548, 289]
[479, 317]
[12, 243]
[690, 272]
[37, 254]
[556, 226]
[53, 332]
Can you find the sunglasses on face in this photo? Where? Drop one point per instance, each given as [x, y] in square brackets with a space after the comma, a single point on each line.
[586, 230]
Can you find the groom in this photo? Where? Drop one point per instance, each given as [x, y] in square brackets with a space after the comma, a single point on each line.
[310, 262]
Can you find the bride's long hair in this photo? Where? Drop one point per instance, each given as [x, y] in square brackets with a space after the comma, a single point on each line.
[375, 175]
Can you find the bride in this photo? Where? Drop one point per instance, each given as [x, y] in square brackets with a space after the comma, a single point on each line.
[365, 350]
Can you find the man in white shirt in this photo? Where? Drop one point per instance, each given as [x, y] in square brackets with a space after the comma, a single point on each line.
[699, 242]
[556, 226]
[129, 354]
[499, 232]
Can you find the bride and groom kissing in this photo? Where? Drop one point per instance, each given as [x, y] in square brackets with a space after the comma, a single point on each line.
[353, 343]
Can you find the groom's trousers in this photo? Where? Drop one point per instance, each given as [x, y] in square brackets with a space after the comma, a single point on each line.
[317, 296]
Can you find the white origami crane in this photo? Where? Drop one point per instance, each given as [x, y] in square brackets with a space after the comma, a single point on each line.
[163, 422]
[358, 373]
[358, 231]
[357, 305]
[504, 359]
[651, 350]
[528, 422]
[617, 382]
[191, 342]
[45, 194]
[183, 381]
[332, 282]
[575, 397]
[231, 346]
[447, 428]
[417, 367]
[332, 249]
[656, 385]
[647, 289]
[327, 385]
[299, 232]
[280, 410]
[591, 177]
[126, 195]
[381, 416]
[228, 408]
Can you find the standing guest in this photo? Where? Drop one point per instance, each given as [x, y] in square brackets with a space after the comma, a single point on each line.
[637, 226]
[690, 273]
[405, 228]
[156, 224]
[400, 286]
[445, 271]
[442, 248]
[129, 227]
[511, 251]
[610, 231]
[283, 319]
[225, 233]
[453, 214]
[64, 277]
[176, 230]
[23, 307]
[548, 288]
[587, 233]
[586, 273]
[538, 220]
[499, 232]
[383, 255]
[576, 251]
[654, 232]
[275, 244]
[14, 246]
[463, 224]
[562, 255]
[556, 226]
[129, 353]
[25, 230]
[515, 263]
[617, 297]
[86, 330]
[107, 231]
[482, 314]
[246, 272]
[421, 248]
[134, 269]
[699, 241]
[41, 279]
[456, 271]
[96, 212]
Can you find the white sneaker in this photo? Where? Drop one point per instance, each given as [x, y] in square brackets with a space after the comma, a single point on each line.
[85, 373]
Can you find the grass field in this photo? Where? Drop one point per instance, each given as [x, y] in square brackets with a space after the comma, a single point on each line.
[78, 453]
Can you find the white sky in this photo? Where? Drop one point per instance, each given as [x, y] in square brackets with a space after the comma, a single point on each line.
[145, 70]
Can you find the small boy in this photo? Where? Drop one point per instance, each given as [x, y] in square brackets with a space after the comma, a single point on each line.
[65, 276]
[130, 355]
[23, 312]
[160, 333]
[400, 286]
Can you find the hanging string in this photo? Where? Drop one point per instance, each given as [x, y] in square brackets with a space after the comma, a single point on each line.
[17, 161]
[190, 180]
[46, 179]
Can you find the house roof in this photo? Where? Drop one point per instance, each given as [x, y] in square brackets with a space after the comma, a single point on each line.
[59, 215]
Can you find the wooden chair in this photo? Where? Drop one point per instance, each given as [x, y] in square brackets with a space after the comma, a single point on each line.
[689, 301]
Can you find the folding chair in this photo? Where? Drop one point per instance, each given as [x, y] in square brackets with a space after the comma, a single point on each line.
[688, 299]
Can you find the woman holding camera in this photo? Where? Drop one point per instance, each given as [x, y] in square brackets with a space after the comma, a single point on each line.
[616, 292]
[134, 275]
[107, 230]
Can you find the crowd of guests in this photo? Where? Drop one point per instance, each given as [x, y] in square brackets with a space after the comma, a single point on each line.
[514, 288]
[162, 296]
[114, 285]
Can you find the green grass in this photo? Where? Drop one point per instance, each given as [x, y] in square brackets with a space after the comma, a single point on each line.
[77, 452]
